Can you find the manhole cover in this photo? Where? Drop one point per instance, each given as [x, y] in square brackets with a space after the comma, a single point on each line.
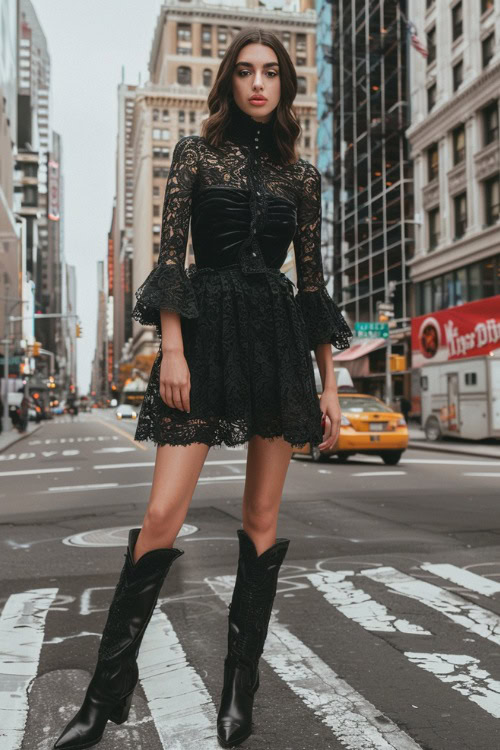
[115, 537]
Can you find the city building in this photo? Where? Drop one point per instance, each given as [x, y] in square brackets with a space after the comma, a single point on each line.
[189, 40]
[455, 145]
[372, 181]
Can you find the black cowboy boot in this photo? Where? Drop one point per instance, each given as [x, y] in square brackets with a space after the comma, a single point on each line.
[109, 694]
[248, 621]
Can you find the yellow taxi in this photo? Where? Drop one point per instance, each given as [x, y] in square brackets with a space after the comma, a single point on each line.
[368, 425]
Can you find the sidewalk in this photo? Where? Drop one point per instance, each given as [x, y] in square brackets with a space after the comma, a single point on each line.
[481, 449]
[11, 436]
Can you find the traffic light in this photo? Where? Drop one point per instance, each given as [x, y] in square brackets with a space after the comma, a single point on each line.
[36, 348]
[398, 362]
[78, 331]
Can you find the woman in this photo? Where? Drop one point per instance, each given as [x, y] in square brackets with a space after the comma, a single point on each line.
[234, 365]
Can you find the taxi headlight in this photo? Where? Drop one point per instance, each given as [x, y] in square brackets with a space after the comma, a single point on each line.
[344, 421]
[401, 422]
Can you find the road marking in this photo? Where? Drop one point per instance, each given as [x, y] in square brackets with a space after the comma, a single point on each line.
[358, 606]
[354, 721]
[84, 487]
[470, 616]
[180, 704]
[22, 626]
[123, 433]
[24, 472]
[152, 463]
[378, 473]
[465, 675]
[481, 473]
[464, 578]
[116, 449]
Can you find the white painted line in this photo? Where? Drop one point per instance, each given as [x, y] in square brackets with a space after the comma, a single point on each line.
[152, 463]
[24, 472]
[117, 449]
[354, 721]
[359, 606]
[481, 473]
[180, 704]
[230, 478]
[22, 626]
[464, 578]
[450, 462]
[83, 487]
[465, 675]
[378, 473]
[470, 616]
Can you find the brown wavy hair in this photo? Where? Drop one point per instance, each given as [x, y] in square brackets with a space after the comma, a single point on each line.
[286, 128]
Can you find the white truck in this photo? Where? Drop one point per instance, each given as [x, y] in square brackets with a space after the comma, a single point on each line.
[462, 397]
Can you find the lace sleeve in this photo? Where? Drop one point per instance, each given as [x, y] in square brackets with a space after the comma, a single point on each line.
[168, 286]
[324, 321]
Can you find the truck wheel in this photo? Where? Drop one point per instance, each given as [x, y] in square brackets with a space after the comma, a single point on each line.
[391, 458]
[433, 430]
[317, 456]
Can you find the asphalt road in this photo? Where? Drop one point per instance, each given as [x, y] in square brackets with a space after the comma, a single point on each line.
[386, 628]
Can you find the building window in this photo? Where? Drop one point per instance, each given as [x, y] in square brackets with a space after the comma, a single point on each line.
[429, 4]
[474, 274]
[156, 114]
[461, 286]
[432, 162]
[460, 202]
[486, 5]
[207, 77]
[301, 85]
[206, 35]
[156, 191]
[431, 45]
[156, 210]
[184, 39]
[457, 20]
[490, 123]
[488, 48]
[431, 97]
[184, 75]
[192, 116]
[156, 248]
[470, 378]
[301, 49]
[492, 199]
[307, 123]
[434, 228]
[165, 115]
[459, 144]
[285, 38]
[307, 141]
[488, 277]
[182, 133]
[181, 115]
[458, 74]
[156, 228]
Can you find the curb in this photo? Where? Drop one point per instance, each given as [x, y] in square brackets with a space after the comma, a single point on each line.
[20, 437]
[445, 449]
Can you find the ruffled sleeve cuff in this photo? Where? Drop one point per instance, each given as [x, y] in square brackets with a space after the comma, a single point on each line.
[325, 324]
[167, 287]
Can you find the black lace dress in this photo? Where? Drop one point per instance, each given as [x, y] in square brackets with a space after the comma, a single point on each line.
[247, 336]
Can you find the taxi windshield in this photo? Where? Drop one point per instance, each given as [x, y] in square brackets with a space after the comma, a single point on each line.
[362, 403]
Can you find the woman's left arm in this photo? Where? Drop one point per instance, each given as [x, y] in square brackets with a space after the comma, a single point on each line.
[329, 401]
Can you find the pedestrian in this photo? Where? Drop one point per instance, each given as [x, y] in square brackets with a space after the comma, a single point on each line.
[405, 407]
[234, 366]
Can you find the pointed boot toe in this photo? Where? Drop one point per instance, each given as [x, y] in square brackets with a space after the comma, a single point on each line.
[231, 733]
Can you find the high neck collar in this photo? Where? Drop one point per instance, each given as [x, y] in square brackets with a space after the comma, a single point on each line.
[243, 129]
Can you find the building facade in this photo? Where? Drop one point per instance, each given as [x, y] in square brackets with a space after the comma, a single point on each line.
[455, 145]
[189, 40]
[372, 175]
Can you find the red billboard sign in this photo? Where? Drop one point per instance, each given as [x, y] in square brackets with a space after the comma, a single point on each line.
[457, 332]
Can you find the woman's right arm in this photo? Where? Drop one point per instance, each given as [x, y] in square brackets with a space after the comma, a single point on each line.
[167, 294]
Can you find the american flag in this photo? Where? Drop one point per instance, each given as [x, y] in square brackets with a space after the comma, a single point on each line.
[415, 41]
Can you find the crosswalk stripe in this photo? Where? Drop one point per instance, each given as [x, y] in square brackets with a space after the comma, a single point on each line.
[464, 674]
[354, 721]
[22, 626]
[464, 578]
[358, 606]
[179, 702]
[474, 618]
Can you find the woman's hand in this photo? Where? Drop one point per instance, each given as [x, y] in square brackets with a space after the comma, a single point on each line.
[175, 380]
[330, 408]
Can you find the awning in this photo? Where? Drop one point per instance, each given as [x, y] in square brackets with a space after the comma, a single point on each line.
[359, 349]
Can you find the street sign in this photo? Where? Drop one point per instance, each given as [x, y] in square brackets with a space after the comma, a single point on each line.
[372, 330]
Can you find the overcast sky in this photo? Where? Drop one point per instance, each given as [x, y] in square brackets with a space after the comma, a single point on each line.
[89, 41]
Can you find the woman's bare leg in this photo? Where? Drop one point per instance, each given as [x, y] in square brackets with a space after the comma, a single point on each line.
[176, 472]
[267, 465]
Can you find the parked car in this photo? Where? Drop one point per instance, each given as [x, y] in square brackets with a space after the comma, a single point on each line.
[125, 411]
[368, 426]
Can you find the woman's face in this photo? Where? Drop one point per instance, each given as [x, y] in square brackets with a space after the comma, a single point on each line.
[256, 74]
